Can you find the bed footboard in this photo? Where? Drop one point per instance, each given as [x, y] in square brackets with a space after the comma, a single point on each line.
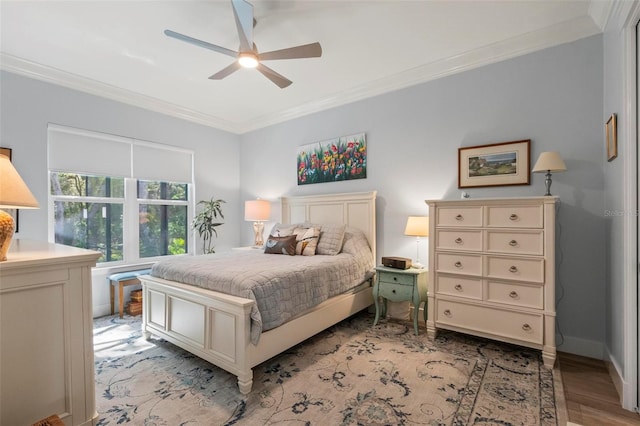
[210, 325]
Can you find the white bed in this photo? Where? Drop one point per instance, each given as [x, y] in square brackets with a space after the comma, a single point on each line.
[216, 326]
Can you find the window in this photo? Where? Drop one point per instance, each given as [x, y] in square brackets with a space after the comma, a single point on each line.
[88, 213]
[128, 199]
[163, 221]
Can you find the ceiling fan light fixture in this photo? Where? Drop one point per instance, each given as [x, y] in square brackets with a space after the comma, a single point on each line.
[248, 60]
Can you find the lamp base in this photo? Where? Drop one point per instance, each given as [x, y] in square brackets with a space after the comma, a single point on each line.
[7, 228]
[258, 230]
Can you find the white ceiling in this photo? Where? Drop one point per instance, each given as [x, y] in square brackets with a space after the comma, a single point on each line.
[117, 49]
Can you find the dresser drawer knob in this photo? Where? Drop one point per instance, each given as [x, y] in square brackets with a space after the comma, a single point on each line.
[513, 269]
[513, 216]
[513, 243]
[459, 217]
[513, 295]
[458, 264]
[447, 312]
[458, 287]
[526, 327]
[458, 240]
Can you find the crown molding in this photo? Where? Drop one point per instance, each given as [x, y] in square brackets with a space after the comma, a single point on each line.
[564, 32]
[600, 12]
[52, 75]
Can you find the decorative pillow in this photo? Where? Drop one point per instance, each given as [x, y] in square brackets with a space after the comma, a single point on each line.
[280, 230]
[307, 240]
[331, 238]
[281, 245]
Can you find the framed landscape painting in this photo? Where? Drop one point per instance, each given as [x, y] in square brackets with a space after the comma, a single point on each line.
[498, 164]
[333, 160]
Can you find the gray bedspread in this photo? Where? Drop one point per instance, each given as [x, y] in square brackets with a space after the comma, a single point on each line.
[282, 286]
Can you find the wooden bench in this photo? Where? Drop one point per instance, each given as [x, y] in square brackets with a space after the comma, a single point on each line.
[123, 279]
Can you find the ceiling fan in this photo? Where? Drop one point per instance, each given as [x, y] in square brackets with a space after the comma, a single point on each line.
[248, 55]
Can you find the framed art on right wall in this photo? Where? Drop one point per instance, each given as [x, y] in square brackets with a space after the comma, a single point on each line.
[611, 138]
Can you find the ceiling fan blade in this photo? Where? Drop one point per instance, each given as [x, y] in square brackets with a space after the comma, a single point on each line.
[313, 50]
[235, 66]
[280, 80]
[201, 43]
[243, 12]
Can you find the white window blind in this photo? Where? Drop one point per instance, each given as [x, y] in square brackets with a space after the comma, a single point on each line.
[93, 153]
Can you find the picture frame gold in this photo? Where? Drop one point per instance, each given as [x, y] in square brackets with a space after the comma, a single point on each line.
[498, 164]
[611, 137]
[12, 212]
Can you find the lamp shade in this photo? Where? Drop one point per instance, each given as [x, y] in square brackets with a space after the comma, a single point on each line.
[417, 226]
[257, 210]
[14, 193]
[549, 161]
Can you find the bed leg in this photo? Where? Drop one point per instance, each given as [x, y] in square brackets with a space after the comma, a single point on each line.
[245, 382]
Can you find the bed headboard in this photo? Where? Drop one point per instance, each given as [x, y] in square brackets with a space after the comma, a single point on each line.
[355, 209]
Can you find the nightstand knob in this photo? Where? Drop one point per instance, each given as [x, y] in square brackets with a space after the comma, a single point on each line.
[393, 291]
[459, 217]
[513, 295]
[526, 327]
[513, 217]
[458, 264]
[447, 312]
[458, 240]
[513, 269]
[395, 278]
[458, 287]
[513, 243]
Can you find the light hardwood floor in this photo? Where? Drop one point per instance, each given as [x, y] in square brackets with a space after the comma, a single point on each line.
[590, 394]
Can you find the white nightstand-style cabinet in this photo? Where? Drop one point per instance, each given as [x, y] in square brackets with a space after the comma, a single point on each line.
[492, 269]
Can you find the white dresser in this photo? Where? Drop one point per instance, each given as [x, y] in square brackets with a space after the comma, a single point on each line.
[492, 270]
[46, 334]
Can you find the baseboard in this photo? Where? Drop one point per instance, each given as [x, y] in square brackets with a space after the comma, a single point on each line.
[614, 372]
[582, 347]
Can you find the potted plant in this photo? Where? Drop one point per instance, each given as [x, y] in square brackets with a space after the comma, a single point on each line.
[206, 222]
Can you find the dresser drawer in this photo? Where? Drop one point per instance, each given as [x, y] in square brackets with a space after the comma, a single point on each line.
[470, 288]
[459, 216]
[514, 242]
[515, 268]
[513, 325]
[389, 277]
[461, 240]
[454, 263]
[528, 296]
[515, 217]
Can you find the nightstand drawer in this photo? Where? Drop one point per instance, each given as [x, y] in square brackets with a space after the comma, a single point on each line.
[454, 263]
[459, 216]
[514, 217]
[489, 320]
[395, 293]
[461, 240]
[391, 278]
[529, 296]
[511, 242]
[470, 288]
[516, 268]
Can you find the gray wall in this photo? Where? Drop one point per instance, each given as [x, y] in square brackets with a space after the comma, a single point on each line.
[553, 97]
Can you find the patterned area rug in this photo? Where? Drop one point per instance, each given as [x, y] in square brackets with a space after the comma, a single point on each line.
[350, 374]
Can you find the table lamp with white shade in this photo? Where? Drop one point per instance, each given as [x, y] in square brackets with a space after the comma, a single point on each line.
[14, 194]
[549, 162]
[417, 226]
[257, 211]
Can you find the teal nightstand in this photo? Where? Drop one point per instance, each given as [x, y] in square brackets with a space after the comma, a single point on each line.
[399, 285]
